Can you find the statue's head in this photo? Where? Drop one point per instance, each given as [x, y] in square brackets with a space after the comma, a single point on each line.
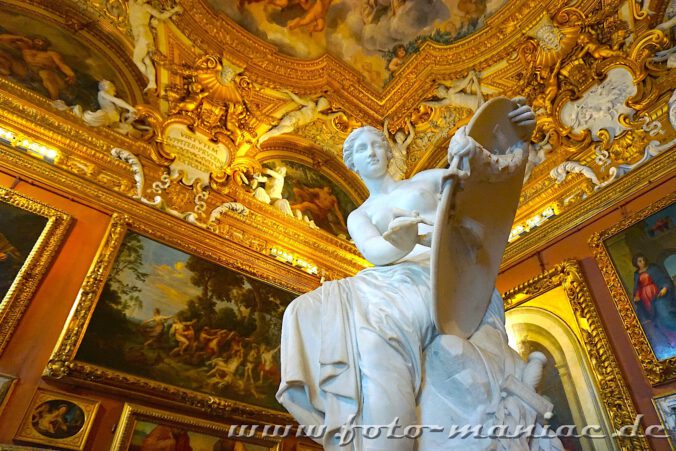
[107, 86]
[364, 139]
[323, 104]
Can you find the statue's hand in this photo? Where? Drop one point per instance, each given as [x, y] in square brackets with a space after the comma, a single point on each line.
[402, 231]
[461, 149]
[523, 116]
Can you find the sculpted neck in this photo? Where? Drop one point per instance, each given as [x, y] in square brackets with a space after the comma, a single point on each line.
[379, 185]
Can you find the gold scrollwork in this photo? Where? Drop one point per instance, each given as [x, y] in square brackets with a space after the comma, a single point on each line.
[656, 371]
[16, 300]
[610, 382]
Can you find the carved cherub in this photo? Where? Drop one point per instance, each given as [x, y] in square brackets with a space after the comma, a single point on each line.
[594, 48]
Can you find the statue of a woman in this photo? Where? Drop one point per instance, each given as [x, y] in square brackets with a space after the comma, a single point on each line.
[353, 350]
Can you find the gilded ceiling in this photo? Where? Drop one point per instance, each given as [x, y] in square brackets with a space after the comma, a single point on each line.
[174, 104]
[374, 37]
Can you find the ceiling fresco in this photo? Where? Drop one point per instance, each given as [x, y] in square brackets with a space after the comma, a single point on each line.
[375, 37]
[214, 112]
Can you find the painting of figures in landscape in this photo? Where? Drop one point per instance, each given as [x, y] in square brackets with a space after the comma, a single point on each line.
[376, 37]
[152, 436]
[644, 256]
[51, 61]
[178, 319]
[315, 197]
[19, 232]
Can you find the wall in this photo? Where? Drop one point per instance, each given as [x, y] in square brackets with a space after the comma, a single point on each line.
[29, 349]
[575, 245]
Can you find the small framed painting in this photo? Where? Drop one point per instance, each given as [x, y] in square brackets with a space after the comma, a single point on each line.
[143, 428]
[57, 419]
[666, 410]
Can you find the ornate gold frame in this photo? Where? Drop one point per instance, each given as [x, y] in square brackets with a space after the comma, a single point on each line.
[12, 380]
[609, 380]
[15, 302]
[64, 366]
[27, 433]
[133, 413]
[656, 371]
[664, 426]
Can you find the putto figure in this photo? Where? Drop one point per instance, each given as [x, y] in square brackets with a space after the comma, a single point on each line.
[365, 350]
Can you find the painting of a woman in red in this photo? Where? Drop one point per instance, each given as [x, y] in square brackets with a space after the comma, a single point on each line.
[654, 298]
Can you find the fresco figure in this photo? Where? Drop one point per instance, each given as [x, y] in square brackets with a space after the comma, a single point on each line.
[654, 297]
[141, 14]
[352, 350]
[48, 64]
[322, 205]
[309, 112]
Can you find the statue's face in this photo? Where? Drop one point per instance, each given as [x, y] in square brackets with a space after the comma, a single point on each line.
[370, 155]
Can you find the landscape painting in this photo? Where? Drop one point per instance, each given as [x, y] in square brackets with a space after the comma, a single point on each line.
[19, 232]
[375, 37]
[315, 196]
[178, 319]
[644, 256]
[52, 61]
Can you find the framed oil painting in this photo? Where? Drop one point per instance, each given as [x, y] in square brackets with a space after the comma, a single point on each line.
[144, 429]
[30, 236]
[155, 318]
[57, 419]
[7, 384]
[554, 314]
[666, 409]
[638, 260]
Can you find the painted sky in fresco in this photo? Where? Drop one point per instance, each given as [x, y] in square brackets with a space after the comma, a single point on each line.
[363, 33]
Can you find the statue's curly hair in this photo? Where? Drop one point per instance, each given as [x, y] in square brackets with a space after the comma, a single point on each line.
[350, 141]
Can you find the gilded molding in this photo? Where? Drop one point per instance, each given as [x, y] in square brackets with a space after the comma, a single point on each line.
[610, 382]
[657, 372]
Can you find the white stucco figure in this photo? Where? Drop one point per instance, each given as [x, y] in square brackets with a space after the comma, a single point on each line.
[110, 114]
[465, 93]
[365, 350]
[141, 16]
[399, 146]
[309, 112]
[272, 193]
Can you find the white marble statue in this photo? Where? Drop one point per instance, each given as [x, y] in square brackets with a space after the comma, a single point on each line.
[309, 112]
[365, 350]
[465, 93]
[399, 146]
[141, 17]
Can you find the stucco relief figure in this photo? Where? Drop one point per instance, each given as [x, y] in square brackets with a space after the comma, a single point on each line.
[274, 186]
[310, 111]
[399, 146]
[465, 93]
[142, 16]
[365, 349]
